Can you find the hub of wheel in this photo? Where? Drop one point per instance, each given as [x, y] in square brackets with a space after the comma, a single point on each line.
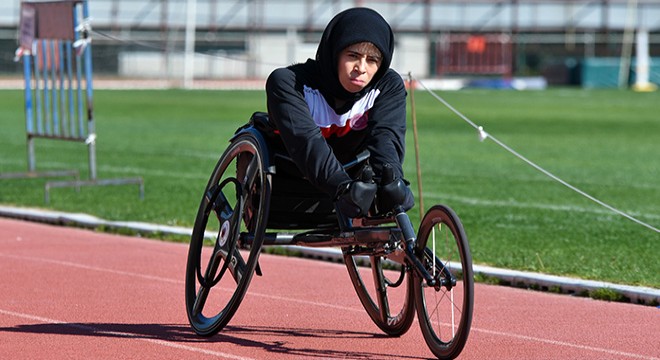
[225, 230]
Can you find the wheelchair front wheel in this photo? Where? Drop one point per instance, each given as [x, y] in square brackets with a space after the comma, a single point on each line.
[445, 310]
[387, 298]
[234, 205]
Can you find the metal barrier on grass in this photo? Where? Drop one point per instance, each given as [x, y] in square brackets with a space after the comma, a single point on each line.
[55, 47]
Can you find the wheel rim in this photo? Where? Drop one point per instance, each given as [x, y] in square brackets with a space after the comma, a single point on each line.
[445, 311]
[391, 308]
[217, 276]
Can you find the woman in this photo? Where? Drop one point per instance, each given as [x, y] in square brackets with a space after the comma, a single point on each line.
[329, 109]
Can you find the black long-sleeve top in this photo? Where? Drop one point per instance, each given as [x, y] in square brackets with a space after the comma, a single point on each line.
[320, 132]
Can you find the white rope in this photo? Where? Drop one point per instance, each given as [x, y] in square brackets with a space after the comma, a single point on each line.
[483, 135]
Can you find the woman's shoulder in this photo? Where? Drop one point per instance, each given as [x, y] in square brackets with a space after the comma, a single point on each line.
[392, 77]
[391, 82]
[301, 73]
[308, 67]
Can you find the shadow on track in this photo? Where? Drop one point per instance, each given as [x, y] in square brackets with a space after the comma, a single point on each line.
[275, 340]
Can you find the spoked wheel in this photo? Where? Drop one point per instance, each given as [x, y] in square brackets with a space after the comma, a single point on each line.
[386, 294]
[234, 208]
[445, 310]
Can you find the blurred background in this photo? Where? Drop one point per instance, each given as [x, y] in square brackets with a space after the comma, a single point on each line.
[584, 43]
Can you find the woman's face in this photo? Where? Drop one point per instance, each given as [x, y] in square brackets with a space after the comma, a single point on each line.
[358, 63]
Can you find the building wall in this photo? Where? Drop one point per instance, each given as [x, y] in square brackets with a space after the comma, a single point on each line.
[247, 39]
[266, 52]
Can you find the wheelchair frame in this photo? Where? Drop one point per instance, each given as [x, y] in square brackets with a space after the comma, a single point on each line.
[235, 209]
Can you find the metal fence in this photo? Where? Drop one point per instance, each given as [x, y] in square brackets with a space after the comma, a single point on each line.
[55, 48]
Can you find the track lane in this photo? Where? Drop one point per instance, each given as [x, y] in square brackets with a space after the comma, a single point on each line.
[76, 294]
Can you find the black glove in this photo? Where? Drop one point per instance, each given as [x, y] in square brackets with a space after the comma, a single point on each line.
[354, 198]
[392, 192]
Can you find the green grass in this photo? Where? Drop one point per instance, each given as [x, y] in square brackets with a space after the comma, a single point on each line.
[605, 142]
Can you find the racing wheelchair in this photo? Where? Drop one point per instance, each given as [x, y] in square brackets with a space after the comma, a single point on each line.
[256, 197]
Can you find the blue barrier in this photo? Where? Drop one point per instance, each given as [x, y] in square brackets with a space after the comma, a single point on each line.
[57, 64]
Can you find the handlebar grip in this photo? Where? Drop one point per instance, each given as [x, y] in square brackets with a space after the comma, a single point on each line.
[359, 158]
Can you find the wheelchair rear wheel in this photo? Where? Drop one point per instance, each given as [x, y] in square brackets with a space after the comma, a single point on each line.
[387, 298]
[445, 310]
[234, 207]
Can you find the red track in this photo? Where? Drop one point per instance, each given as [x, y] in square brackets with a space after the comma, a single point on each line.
[75, 294]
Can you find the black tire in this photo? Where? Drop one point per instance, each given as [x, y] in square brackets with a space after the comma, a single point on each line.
[388, 301]
[234, 207]
[444, 311]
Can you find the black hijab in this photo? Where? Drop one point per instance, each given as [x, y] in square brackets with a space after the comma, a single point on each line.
[350, 27]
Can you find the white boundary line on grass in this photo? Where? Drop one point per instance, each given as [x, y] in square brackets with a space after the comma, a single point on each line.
[634, 293]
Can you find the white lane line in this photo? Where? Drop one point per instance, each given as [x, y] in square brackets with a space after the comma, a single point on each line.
[93, 268]
[565, 344]
[127, 335]
[339, 307]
